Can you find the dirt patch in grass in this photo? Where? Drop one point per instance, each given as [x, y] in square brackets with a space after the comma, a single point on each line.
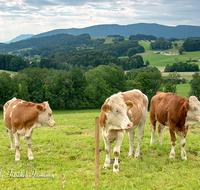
[74, 133]
[192, 152]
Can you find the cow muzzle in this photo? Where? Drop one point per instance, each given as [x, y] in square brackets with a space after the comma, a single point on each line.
[129, 125]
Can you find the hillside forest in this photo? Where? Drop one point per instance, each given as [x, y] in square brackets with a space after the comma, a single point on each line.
[79, 78]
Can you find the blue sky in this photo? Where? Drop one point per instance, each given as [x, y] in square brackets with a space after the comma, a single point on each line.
[37, 16]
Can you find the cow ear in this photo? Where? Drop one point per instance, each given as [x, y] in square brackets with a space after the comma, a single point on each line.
[105, 108]
[129, 104]
[186, 105]
[40, 108]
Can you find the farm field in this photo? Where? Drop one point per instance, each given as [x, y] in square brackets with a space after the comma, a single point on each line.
[162, 60]
[64, 155]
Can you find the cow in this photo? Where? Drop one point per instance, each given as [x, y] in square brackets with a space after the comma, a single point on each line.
[121, 112]
[21, 117]
[172, 110]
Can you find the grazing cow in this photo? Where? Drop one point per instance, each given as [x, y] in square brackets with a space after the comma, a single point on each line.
[21, 118]
[178, 113]
[123, 112]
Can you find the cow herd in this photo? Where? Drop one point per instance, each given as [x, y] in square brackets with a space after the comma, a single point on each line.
[120, 113]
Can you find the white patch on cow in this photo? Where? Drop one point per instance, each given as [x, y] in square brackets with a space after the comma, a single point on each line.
[21, 132]
[10, 134]
[14, 106]
[183, 153]
[152, 134]
[172, 153]
[160, 134]
[10, 114]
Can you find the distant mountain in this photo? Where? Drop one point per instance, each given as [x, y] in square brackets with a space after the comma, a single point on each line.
[21, 37]
[181, 31]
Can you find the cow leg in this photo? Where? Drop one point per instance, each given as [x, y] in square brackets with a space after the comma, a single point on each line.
[183, 153]
[10, 133]
[131, 135]
[107, 150]
[173, 142]
[17, 146]
[28, 143]
[119, 139]
[153, 126]
[139, 138]
[160, 132]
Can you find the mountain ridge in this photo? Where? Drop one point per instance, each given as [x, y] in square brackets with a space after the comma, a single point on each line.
[180, 31]
[158, 30]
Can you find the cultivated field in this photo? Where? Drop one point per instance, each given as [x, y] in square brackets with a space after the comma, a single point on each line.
[64, 155]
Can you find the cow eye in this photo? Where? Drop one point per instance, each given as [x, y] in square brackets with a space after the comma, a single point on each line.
[49, 114]
[116, 111]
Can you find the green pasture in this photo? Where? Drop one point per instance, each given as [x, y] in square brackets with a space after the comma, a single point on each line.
[162, 60]
[65, 155]
[183, 90]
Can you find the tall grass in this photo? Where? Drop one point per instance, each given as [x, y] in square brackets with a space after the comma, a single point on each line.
[65, 154]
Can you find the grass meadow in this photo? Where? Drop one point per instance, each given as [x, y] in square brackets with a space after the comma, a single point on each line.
[64, 155]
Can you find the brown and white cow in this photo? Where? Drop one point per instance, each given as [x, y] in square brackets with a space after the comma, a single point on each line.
[123, 112]
[178, 113]
[21, 118]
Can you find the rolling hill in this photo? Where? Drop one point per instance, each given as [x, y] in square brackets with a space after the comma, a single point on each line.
[181, 31]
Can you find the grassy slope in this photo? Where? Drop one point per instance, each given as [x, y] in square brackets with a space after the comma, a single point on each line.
[68, 149]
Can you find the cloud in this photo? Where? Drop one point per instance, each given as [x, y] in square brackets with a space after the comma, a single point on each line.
[37, 16]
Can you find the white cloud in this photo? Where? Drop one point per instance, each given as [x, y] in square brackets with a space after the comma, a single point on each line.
[33, 17]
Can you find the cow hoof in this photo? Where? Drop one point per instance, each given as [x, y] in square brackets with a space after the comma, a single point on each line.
[17, 160]
[116, 171]
[184, 158]
[104, 167]
[31, 158]
[130, 155]
[171, 156]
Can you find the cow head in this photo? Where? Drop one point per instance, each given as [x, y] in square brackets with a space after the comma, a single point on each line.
[116, 111]
[45, 116]
[193, 114]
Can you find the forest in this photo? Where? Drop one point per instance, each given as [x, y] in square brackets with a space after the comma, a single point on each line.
[161, 44]
[182, 67]
[78, 90]
[191, 44]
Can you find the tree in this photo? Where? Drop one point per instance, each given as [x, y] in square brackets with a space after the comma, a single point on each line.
[6, 88]
[103, 81]
[175, 45]
[144, 79]
[195, 87]
[173, 80]
[79, 85]
[181, 50]
[37, 94]
[131, 52]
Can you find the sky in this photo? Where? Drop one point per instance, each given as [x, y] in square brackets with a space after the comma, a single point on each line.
[37, 16]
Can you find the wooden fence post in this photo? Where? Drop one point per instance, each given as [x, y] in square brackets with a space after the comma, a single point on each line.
[97, 153]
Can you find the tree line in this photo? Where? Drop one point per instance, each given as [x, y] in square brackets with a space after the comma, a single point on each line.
[69, 60]
[12, 63]
[161, 43]
[182, 67]
[191, 45]
[142, 37]
[77, 90]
